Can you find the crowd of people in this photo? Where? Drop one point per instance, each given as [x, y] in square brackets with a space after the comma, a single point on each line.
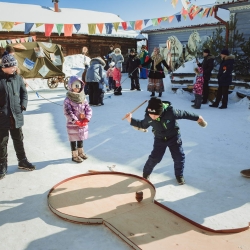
[160, 115]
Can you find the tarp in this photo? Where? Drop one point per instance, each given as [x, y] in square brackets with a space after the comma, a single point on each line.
[39, 59]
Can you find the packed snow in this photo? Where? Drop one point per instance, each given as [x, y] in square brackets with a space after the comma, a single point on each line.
[215, 194]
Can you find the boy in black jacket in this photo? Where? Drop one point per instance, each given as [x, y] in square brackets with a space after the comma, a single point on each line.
[162, 117]
[13, 101]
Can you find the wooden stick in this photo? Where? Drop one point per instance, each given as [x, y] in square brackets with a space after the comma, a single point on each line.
[134, 109]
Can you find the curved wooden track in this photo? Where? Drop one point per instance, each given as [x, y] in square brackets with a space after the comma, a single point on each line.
[109, 198]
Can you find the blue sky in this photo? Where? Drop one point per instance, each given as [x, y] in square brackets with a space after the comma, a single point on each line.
[128, 10]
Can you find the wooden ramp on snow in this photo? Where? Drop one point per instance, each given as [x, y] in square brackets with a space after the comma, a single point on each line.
[109, 198]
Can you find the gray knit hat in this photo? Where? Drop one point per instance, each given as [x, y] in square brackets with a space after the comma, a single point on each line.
[8, 61]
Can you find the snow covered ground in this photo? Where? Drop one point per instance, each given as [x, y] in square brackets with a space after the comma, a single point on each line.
[215, 195]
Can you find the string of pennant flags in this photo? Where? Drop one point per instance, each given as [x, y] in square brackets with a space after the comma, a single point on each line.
[191, 12]
[3, 43]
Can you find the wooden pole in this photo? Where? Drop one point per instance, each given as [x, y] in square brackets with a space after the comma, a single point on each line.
[134, 109]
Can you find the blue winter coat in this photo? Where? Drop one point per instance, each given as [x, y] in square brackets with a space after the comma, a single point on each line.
[225, 71]
[166, 125]
[13, 100]
[95, 70]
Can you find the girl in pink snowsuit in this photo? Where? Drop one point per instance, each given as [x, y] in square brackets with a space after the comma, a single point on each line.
[78, 114]
[198, 87]
[117, 78]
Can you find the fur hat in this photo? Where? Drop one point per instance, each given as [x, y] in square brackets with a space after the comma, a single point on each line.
[112, 64]
[225, 52]
[206, 51]
[155, 106]
[132, 50]
[8, 61]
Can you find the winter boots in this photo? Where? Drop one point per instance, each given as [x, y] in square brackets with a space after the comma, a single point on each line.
[180, 180]
[78, 155]
[3, 169]
[81, 154]
[25, 164]
[153, 94]
[245, 173]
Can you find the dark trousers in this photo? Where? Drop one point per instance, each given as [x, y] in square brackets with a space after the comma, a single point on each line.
[17, 137]
[101, 95]
[205, 91]
[111, 83]
[75, 145]
[222, 93]
[93, 92]
[135, 82]
[175, 147]
[197, 101]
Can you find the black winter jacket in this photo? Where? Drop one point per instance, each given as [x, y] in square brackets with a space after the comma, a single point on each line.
[133, 63]
[207, 66]
[13, 96]
[225, 71]
[166, 125]
[159, 73]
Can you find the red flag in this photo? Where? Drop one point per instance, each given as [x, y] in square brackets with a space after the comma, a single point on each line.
[48, 29]
[138, 25]
[124, 25]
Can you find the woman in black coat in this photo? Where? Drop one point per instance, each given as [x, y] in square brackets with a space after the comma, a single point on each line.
[224, 79]
[156, 73]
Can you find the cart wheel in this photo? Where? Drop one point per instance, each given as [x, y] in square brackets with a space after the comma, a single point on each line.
[66, 82]
[52, 82]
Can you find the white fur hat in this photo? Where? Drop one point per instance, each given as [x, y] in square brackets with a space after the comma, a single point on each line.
[112, 64]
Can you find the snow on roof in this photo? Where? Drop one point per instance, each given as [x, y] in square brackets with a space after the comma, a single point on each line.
[226, 1]
[197, 21]
[27, 13]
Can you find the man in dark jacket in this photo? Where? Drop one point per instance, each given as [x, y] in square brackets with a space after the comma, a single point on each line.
[132, 68]
[13, 100]
[163, 118]
[224, 79]
[207, 66]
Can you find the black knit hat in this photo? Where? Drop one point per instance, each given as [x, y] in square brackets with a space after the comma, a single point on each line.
[132, 50]
[155, 106]
[206, 51]
[225, 52]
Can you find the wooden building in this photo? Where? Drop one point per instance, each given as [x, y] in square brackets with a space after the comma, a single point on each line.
[98, 44]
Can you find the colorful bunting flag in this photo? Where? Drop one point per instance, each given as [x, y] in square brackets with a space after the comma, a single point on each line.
[59, 28]
[77, 27]
[4, 43]
[38, 24]
[100, 27]
[124, 25]
[68, 29]
[159, 20]
[7, 25]
[170, 18]
[48, 29]
[154, 21]
[92, 28]
[116, 26]
[178, 17]
[132, 24]
[146, 21]
[109, 27]
[174, 3]
[138, 25]
[165, 18]
[28, 27]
